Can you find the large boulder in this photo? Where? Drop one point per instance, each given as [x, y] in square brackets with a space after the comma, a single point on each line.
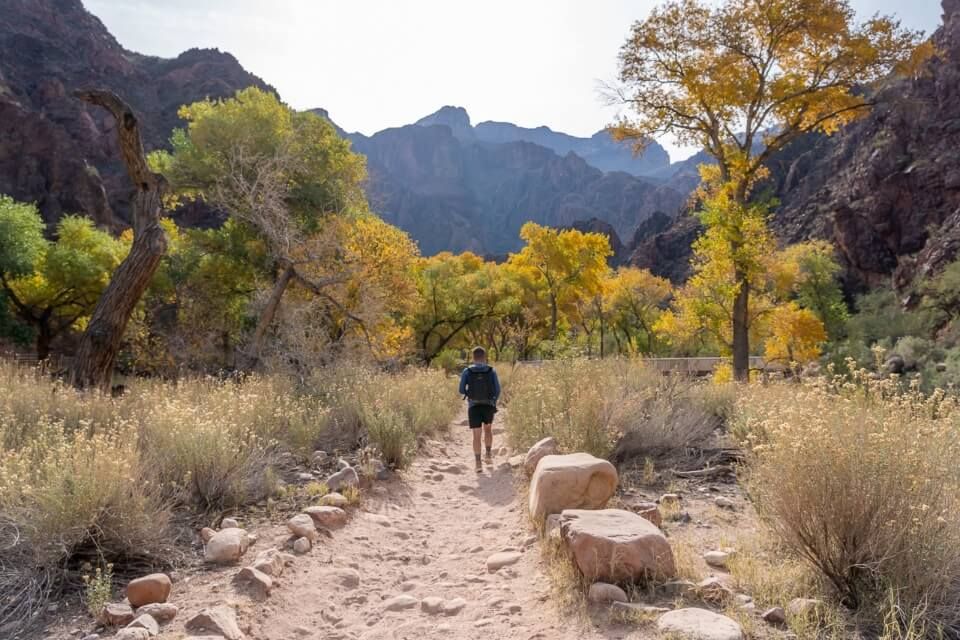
[226, 546]
[546, 447]
[572, 481]
[149, 589]
[612, 545]
[698, 624]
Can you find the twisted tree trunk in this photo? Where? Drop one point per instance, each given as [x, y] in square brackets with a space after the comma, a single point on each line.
[97, 352]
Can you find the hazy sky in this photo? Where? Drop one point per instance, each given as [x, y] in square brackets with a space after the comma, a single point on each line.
[381, 63]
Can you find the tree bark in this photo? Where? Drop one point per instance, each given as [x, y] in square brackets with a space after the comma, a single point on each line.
[100, 343]
[741, 337]
[269, 313]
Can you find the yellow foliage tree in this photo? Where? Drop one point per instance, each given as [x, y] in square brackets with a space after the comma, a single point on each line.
[744, 78]
[571, 265]
[795, 335]
[635, 299]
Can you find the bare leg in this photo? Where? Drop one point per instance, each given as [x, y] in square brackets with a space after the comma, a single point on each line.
[488, 438]
[476, 448]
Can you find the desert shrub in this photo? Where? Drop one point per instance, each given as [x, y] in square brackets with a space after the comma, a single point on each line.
[391, 409]
[607, 407]
[859, 478]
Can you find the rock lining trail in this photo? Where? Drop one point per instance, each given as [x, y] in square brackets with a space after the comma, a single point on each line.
[412, 564]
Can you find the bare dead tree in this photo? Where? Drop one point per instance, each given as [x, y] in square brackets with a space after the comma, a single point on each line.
[100, 343]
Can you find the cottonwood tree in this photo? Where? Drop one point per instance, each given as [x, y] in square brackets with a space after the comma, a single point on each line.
[742, 79]
[101, 340]
[571, 264]
[280, 172]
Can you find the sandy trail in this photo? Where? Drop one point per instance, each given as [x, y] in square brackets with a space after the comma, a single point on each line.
[428, 535]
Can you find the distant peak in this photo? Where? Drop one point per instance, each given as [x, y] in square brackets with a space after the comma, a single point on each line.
[456, 118]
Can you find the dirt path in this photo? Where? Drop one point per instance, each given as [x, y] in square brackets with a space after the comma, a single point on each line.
[428, 535]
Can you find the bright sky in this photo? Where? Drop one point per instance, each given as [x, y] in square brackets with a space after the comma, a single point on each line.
[381, 63]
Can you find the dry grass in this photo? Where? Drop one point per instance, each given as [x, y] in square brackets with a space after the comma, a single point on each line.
[615, 407]
[859, 478]
[85, 477]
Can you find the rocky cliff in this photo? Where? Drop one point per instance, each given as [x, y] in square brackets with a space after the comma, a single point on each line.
[885, 190]
[60, 153]
[453, 192]
[599, 150]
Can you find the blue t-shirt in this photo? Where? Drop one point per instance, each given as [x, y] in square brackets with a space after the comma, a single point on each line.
[480, 367]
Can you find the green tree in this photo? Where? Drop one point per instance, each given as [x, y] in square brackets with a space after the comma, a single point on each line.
[278, 171]
[744, 78]
[56, 284]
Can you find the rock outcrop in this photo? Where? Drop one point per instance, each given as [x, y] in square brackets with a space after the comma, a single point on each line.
[57, 151]
[453, 191]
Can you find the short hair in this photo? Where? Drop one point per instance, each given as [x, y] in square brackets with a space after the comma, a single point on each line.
[479, 352]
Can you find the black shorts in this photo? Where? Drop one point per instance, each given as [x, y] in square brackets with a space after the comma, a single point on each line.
[481, 414]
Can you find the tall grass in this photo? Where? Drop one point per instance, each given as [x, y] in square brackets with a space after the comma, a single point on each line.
[90, 477]
[860, 478]
[613, 407]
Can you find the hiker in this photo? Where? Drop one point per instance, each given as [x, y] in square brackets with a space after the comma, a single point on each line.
[480, 385]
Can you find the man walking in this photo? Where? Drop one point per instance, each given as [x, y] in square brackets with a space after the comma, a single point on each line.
[480, 385]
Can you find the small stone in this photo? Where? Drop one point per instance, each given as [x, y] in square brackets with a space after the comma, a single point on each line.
[206, 534]
[226, 546]
[334, 500]
[342, 464]
[329, 517]
[301, 525]
[670, 498]
[347, 578]
[271, 562]
[725, 503]
[604, 593]
[432, 605]
[117, 614]
[145, 621]
[229, 523]
[714, 591]
[160, 611]
[302, 545]
[257, 579]
[504, 559]
[342, 479]
[775, 615]
[149, 589]
[516, 461]
[717, 559]
[132, 633]
[699, 624]
[453, 607]
[319, 457]
[220, 620]
[400, 603]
